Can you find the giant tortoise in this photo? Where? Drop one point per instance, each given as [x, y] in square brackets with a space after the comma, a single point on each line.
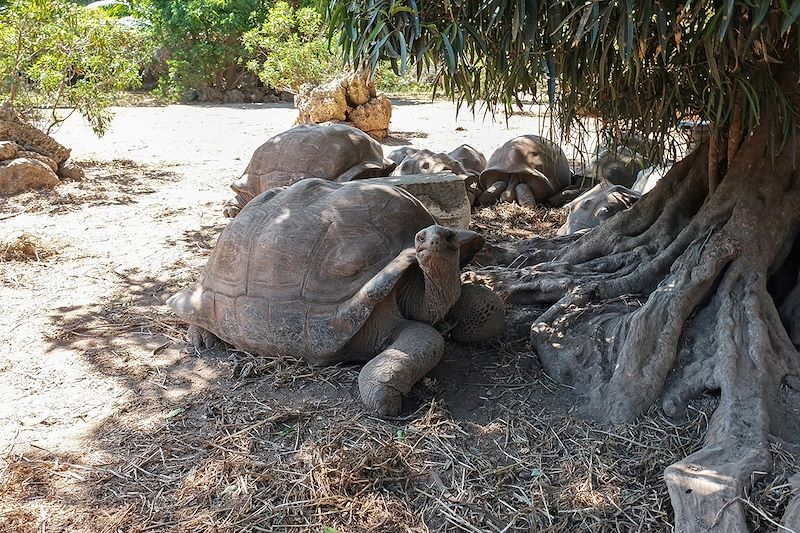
[596, 205]
[336, 152]
[336, 272]
[528, 169]
[427, 162]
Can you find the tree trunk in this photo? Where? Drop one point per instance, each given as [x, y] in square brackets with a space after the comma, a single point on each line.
[669, 300]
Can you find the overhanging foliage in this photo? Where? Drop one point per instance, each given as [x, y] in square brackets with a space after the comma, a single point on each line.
[647, 63]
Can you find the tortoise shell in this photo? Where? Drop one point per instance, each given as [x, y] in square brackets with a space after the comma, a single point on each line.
[533, 160]
[472, 160]
[299, 270]
[596, 205]
[336, 152]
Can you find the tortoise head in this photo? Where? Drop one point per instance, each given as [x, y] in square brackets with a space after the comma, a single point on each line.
[440, 247]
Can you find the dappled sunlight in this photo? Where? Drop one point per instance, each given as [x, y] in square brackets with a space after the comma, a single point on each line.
[693, 479]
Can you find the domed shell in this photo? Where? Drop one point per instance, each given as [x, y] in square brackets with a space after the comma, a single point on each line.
[533, 160]
[335, 152]
[299, 270]
[472, 160]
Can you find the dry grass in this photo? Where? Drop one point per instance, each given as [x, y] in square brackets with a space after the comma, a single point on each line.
[769, 497]
[253, 453]
[241, 457]
[507, 221]
[24, 247]
[271, 444]
[356, 474]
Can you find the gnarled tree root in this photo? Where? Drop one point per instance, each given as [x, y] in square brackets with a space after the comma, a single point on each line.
[669, 300]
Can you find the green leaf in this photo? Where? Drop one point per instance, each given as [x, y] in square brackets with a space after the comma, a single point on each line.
[399, 8]
[763, 9]
[790, 17]
[175, 412]
[451, 56]
[727, 15]
[403, 52]
[230, 489]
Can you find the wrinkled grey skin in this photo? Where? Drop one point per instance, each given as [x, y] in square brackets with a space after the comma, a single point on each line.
[341, 272]
[596, 205]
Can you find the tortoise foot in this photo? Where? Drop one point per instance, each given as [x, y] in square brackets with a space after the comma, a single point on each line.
[380, 398]
[201, 339]
[414, 351]
[230, 210]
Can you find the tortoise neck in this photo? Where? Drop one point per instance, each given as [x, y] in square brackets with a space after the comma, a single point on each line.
[431, 293]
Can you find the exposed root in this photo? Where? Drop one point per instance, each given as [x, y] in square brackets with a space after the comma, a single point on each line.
[670, 298]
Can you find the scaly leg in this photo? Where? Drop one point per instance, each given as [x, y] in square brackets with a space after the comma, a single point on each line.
[414, 350]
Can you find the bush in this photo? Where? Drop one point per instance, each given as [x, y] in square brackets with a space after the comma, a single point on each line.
[201, 40]
[57, 54]
[404, 84]
[290, 48]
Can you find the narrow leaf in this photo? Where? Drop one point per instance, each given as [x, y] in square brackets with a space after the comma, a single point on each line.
[451, 56]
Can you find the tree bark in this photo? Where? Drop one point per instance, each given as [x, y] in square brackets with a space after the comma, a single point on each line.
[668, 300]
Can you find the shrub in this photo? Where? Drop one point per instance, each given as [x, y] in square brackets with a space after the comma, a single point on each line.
[289, 48]
[57, 54]
[201, 40]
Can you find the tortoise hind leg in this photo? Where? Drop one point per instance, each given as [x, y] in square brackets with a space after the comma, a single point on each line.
[479, 314]
[414, 350]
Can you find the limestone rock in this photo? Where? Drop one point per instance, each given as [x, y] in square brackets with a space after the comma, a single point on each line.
[351, 99]
[22, 174]
[209, 94]
[27, 154]
[14, 128]
[234, 96]
[254, 94]
[189, 95]
[322, 103]
[374, 116]
[8, 150]
[443, 194]
[358, 89]
[70, 171]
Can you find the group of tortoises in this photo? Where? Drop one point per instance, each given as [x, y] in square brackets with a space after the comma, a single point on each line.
[319, 264]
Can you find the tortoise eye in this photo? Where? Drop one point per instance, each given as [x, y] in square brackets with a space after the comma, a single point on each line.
[421, 237]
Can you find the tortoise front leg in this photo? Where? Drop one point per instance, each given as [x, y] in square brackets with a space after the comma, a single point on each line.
[200, 338]
[415, 349]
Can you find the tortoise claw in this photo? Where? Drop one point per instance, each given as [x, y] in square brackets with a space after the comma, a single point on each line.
[230, 210]
[381, 398]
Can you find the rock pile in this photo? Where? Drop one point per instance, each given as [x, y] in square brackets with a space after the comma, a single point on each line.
[351, 98]
[29, 158]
